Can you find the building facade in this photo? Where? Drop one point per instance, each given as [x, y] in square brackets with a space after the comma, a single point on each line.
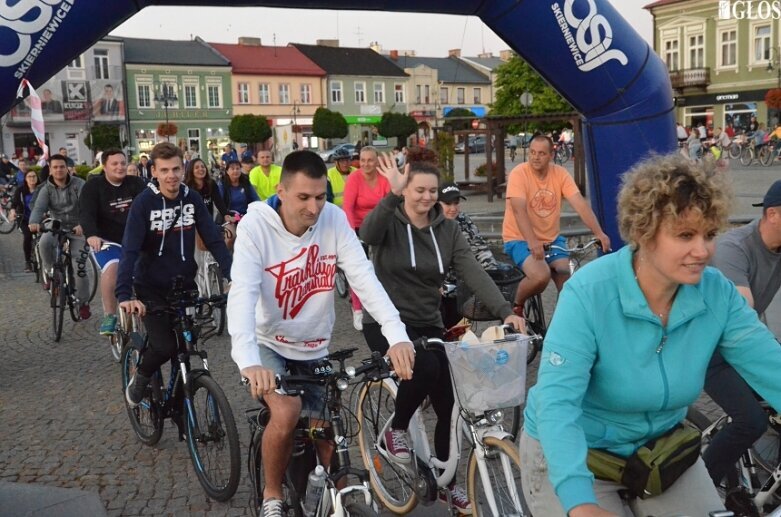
[279, 83]
[361, 85]
[185, 83]
[721, 68]
[90, 91]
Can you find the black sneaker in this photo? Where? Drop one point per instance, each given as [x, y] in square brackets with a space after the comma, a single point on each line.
[135, 389]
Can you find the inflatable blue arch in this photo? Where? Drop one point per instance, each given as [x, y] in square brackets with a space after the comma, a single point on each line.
[583, 48]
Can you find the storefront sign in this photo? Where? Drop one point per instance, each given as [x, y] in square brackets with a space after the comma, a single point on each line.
[362, 119]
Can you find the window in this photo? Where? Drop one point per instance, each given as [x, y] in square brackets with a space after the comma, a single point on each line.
[284, 93]
[460, 95]
[761, 43]
[144, 91]
[477, 95]
[243, 97]
[214, 94]
[264, 93]
[167, 88]
[417, 94]
[77, 63]
[306, 94]
[379, 93]
[728, 41]
[443, 95]
[360, 92]
[101, 63]
[191, 95]
[336, 92]
[697, 51]
[671, 54]
[427, 95]
[398, 92]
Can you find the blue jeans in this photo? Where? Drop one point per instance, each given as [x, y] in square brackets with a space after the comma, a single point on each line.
[728, 389]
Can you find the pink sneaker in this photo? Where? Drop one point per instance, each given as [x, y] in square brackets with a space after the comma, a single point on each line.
[396, 445]
[458, 498]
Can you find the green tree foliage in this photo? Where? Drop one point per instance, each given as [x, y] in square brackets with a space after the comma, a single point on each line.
[444, 145]
[103, 136]
[399, 125]
[251, 129]
[515, 77]
[329, 124]
[459, 125]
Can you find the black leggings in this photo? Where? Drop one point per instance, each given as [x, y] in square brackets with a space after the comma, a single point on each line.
[430, 377]
[162, 339]
[27, 242]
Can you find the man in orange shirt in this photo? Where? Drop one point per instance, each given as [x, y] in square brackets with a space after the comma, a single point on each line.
[532, 213]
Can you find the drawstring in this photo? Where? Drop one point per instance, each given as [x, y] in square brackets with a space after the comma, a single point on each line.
[181, 231]
[162, 241]
[411, 247]
[436, 247]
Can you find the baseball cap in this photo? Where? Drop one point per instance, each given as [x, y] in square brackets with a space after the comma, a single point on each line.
[772, 197]
[449, 192]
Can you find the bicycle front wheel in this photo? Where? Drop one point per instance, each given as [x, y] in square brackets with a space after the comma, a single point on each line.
[494, 484]
[746, 156]
[342, 288]
[91, 268]
[216, 285]
[212, 439]
[535, 323]
[145, 418]
[58, 293]
[766, 155]
[392, 484]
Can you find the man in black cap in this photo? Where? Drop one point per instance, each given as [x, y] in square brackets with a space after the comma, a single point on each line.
[750, 256]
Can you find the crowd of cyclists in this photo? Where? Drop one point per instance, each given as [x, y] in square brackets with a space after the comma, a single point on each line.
[651, 318]
[756, 142]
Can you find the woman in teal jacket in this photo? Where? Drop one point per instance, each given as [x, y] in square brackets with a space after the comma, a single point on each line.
[629, 345]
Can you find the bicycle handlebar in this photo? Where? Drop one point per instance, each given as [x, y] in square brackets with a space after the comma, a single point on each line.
[580, 248]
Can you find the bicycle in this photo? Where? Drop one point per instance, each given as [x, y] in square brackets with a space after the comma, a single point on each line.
[192, 399]
[493, 473]
[304, 459]
[752, 489]
[7, 225]
[62, 281]
[126, 326]
[341, 284]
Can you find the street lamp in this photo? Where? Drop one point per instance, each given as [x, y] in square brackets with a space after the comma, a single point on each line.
[296, 111]
[166, 94]
[526, 100]
[774, 62]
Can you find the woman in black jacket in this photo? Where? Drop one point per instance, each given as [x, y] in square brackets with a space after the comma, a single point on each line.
[197, 177]
[22, 206]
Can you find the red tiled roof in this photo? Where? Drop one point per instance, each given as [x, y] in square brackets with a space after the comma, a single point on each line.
[265, 60]
[660, 3]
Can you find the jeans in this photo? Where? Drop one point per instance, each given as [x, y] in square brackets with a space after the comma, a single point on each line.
[749, 421]
[163, 341]
[78, 250]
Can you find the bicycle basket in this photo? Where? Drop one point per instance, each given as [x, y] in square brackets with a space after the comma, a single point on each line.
[489, 375]
[506, 277]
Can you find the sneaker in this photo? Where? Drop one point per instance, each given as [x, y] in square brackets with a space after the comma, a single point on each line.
[28, 267]
[458, 499]
[358, 320]
[272, 508]
[109, 325]
[134, 393]
[84, 312]
[396, 445]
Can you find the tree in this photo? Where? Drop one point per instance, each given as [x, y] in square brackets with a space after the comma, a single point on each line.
[249, 128]
[459, 125]
[329, 124]
[399, 125]
[515, 77]
[103, 136]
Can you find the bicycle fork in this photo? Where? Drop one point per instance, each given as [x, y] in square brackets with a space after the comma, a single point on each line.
[482, 468]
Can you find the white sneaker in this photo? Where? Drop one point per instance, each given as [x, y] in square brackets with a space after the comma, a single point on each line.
[358, 320]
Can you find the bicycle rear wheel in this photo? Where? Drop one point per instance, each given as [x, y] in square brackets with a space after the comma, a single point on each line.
[145, 418]
[91, 268]
[216, 285]
[535, 322]
[766, 155]
[392, 484]
[503, 473]
[6, 224]
[342, 288]
[746, 156]
[212, 439]
[58, 293]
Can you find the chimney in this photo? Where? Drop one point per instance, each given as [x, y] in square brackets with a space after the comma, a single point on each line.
[485, 55]
[328, 43]
[249, 41]
[454, 52]
[394, 55]
[505, 55]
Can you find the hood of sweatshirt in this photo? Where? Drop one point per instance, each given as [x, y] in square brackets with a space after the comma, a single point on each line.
[269, 211]
[437, 217]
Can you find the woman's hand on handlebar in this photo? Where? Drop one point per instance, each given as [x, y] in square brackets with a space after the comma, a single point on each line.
[516, 322]
[261, 380]
[402, 356]
[131, 306]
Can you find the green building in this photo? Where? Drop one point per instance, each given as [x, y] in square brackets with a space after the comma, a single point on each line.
[723, 57]
[181, 83]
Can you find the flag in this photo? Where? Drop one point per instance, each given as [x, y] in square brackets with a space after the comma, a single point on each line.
[36, 116]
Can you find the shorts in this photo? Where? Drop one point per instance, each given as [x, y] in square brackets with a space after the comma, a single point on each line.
[109, 253]
[519, 251]
[313, 399]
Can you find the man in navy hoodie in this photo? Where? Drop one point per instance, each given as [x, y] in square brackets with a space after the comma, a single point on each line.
[159, 245]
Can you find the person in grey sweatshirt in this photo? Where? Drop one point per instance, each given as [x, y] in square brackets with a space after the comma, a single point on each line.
[413, 247]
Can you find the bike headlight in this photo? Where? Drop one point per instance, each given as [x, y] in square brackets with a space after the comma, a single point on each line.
[350, 371]
[494, 416]
[342, 384]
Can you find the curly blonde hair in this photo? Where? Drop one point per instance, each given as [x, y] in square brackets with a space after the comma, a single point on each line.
[663, 189]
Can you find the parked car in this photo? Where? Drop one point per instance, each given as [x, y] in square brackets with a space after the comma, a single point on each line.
[328, 154]
[476, 145]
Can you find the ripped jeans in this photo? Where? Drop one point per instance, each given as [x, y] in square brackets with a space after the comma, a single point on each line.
[692, 494]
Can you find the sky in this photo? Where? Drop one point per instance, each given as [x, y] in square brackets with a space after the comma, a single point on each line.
[427, 34]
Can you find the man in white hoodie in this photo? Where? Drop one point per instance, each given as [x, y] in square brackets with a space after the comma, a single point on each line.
[281, 303]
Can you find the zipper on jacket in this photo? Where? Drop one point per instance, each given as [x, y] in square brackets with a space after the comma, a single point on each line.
[665, 383]
[661, 344]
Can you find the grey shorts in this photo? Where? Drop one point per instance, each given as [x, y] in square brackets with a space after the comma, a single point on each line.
[313, 399]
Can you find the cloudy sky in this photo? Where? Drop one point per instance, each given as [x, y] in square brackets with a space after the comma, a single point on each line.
[428, 35]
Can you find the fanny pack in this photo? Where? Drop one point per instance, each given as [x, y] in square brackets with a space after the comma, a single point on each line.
[654, 467]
